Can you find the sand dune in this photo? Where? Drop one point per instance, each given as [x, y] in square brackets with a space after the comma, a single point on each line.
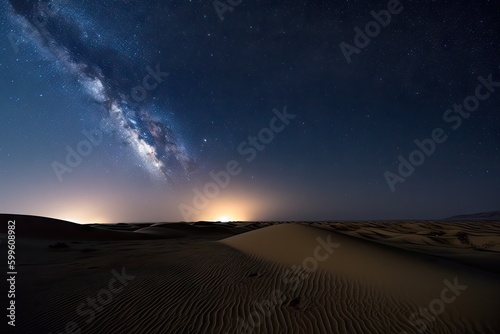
[55, 229]
[255, 282]
[177, 230]
[375, 265]
[472, 243]
[164, 232]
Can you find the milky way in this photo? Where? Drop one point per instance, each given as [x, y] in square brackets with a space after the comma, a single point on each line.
[111, 80]
[174, 84]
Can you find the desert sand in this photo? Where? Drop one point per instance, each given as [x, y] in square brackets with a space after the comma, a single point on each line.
[272, 277]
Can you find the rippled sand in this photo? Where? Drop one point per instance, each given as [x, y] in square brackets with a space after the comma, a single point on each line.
[365, 277]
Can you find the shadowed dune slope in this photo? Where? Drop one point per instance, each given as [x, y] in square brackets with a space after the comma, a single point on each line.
[55, 229]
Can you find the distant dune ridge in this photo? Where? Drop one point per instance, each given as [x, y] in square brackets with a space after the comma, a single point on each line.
[317, 277]
[492, 215]
[49, 228]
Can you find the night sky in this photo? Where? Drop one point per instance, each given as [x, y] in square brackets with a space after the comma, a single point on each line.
[127, 110]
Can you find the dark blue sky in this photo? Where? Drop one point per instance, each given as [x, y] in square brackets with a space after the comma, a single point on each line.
[168, 92]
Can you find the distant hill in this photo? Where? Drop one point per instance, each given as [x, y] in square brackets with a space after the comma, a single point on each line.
[492, 215]
[57, 229]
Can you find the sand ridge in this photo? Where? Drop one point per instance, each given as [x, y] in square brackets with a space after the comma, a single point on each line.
[418, 277]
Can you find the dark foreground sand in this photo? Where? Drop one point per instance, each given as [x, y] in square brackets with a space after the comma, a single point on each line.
[356, 277]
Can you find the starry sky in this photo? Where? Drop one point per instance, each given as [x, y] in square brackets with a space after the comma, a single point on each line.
[128, 110]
